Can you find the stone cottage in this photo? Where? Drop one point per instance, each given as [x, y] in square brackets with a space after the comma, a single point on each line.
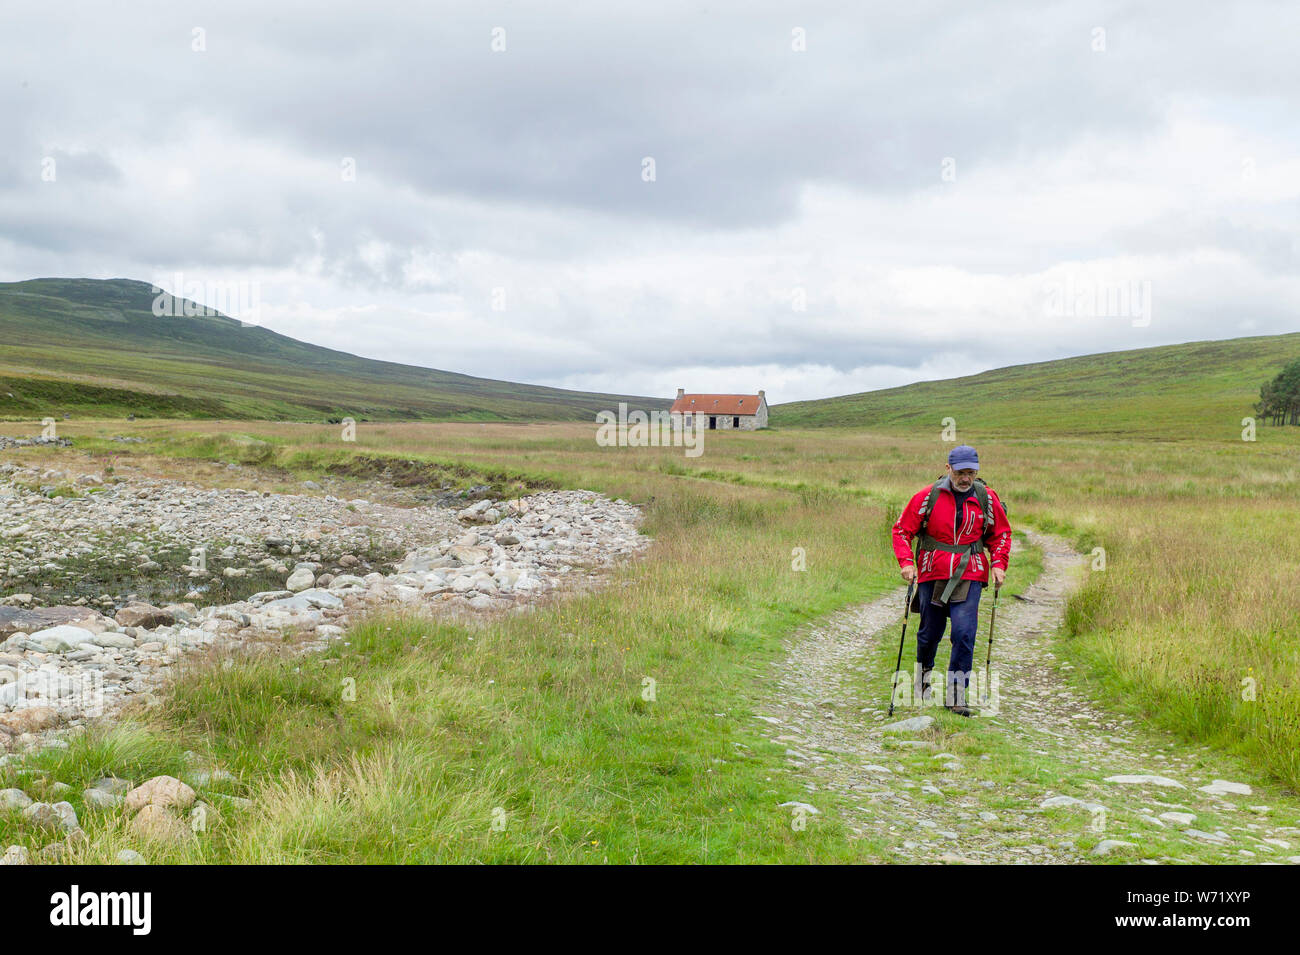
[719, 412]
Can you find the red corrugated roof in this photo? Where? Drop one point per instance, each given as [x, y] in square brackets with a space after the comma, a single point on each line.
[717, 404]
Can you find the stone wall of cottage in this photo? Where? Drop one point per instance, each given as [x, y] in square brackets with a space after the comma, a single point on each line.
[726, 422]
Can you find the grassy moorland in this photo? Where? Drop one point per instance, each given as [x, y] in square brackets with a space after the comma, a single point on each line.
[542, 716]
[1196, 389]
[95, 348]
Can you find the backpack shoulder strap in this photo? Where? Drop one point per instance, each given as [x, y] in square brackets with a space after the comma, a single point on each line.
[986, 505]
[928, 505]
[923, 531]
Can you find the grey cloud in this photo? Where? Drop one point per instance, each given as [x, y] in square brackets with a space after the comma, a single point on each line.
[523, 168]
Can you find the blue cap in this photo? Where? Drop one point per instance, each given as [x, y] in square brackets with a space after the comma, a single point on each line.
[963, 456]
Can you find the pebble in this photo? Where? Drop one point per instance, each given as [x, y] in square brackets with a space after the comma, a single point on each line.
[59, 815]
[911, 725]
[1107, 846]
[99, 799]
[806, 807]
[300, 579]
[11, 799]
[166, 792]
[1221, 787]
[1055, 802]
[1146, 780]
[16, 855]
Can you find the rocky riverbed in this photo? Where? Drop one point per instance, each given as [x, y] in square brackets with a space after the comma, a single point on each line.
[304, 567]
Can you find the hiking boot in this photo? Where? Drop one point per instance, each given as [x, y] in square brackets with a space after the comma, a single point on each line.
[924, 690]
[959, 710]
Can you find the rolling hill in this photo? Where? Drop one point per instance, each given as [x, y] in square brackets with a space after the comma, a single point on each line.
[1172, 390]
[94, 347]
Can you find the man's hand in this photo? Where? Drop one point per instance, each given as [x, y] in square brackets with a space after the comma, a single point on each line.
[909, 573]
[999, 575]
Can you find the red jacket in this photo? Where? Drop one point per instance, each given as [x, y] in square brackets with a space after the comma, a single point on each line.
[938, 564]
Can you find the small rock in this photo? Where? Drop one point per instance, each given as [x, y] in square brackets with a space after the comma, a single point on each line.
[99, 799]
[33, 719]
[16, 855]
[156, 824]
[300, 579]
[912, 725]
[111, 784]
[1146, 780]
[59, 816]
[811, 810]
[1107, 846]
[61, 639]
[206, 777]
[54, 853]
[130, 857]
[1221, 787]
[162, 791]
[140, 614]
[11, 799]
[1055, 802]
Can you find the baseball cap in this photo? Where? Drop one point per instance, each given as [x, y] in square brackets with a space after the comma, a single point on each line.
[963, 456]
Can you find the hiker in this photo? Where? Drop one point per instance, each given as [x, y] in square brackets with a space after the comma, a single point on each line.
[953, 522]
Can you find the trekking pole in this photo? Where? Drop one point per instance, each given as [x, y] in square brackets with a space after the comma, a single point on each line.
[901, 637]
[988, 657]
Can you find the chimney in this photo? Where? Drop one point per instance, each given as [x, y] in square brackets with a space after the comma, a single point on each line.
[762, 395]
[681, 392]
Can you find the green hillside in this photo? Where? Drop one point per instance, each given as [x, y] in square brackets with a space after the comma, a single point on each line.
[86, 346]
[1193, 389]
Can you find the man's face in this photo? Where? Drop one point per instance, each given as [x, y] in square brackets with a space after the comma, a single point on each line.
[963, 479]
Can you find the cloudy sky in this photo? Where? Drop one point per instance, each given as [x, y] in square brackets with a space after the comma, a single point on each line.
[815, 199]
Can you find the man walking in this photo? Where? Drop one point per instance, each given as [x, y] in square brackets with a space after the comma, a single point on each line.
[953, 522]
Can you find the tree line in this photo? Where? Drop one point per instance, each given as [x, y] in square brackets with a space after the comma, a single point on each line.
[1279, 399]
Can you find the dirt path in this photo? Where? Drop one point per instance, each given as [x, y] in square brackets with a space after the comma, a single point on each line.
[973, 790]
